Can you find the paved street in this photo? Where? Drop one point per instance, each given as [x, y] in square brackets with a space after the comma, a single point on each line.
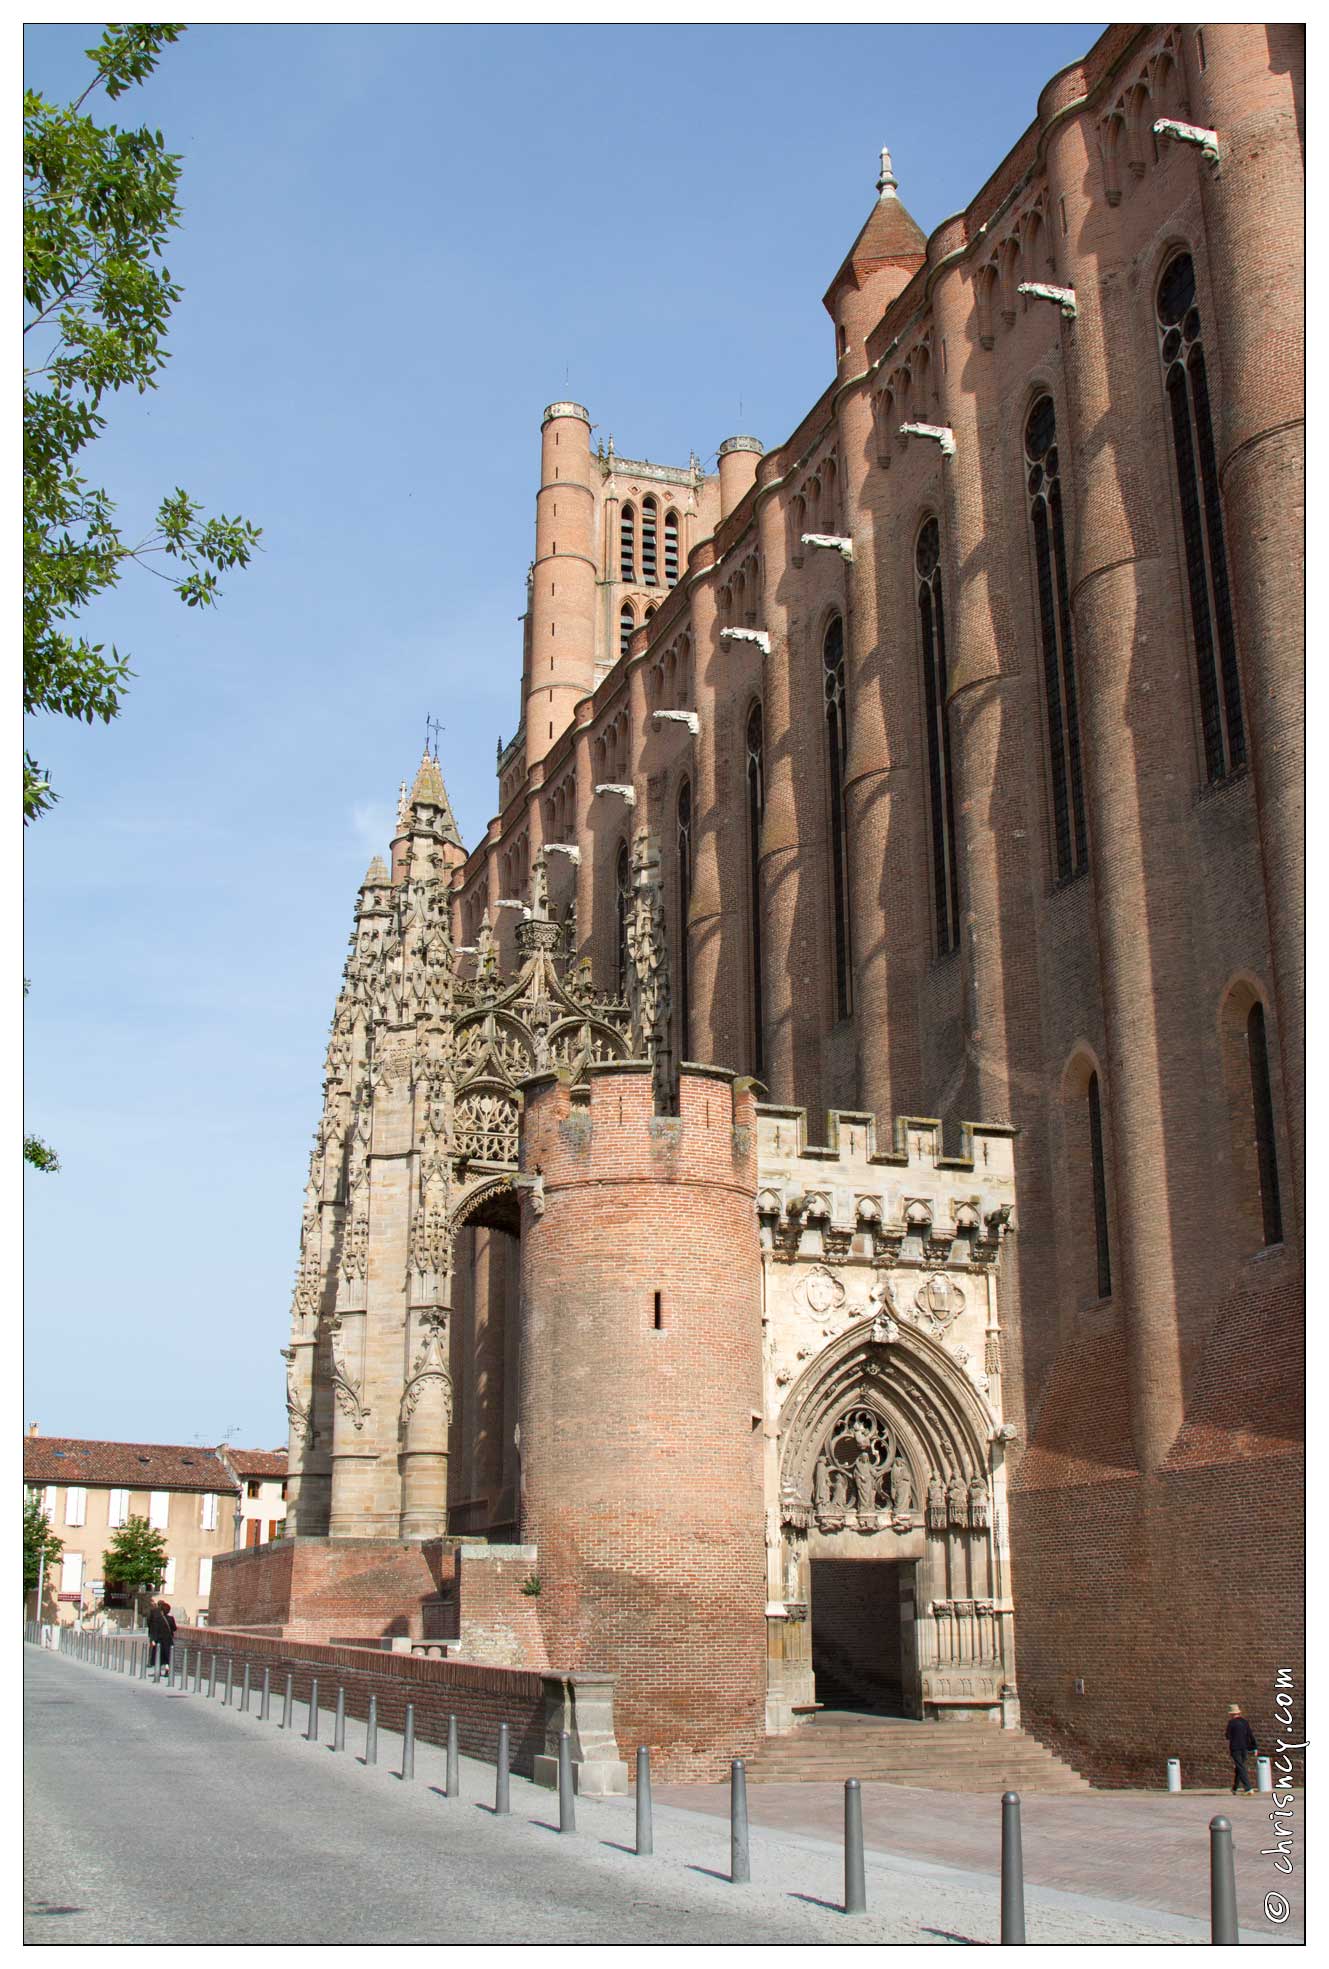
[156, 1817]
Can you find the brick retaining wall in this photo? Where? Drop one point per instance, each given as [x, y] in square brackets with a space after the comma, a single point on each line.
[479, 1697]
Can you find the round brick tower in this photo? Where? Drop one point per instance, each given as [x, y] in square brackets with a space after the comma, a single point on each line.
[562, 661]
[641, 1441]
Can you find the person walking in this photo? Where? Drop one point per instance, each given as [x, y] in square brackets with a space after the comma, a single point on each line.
[161, 1634]
[1240, 1742]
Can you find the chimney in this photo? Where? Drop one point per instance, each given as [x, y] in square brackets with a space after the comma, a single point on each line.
[33, 1430]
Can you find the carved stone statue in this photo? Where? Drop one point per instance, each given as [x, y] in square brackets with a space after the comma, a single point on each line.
[957, 1498]
[902, 1486]
[978, 1504]
[821, 1483]
[839, 1488]
[865, 1481]
[936, 1503]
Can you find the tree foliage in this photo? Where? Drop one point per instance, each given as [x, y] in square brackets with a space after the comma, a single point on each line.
[135, 1559]
[39, 1541]
[98, 206]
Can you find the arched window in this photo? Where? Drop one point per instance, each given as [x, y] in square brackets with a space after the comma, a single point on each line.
[671, 549]
[626, 625]
[627, 545]
[1212, 629]
[1262, 1104]
[622, 910]
[1256, 1210]
[1070, 848]
[837, 743]
[756, 787]
[932, 620]
[648, 542]
[1098, 1179]
[684, 847]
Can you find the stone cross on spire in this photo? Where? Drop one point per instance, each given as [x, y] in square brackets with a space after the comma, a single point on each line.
[887, 185]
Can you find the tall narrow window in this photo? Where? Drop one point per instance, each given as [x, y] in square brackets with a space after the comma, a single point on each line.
[626, 625]
[671, 549]
[837, 744]
[648, 542]
[756, 776]
[627, 545]
[1054, 616]
[622, 908]
[932, 619]
[684, 845]
[1271, 1207]
[1098, 1173]
[1212, 629]
[76, 1505]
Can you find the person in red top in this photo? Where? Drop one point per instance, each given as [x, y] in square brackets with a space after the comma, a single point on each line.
[1240, 1742]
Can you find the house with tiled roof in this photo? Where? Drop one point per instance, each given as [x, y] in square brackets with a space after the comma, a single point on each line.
[89, 1489]
[261, 1477]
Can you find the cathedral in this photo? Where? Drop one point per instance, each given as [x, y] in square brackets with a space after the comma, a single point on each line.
[813, 1199]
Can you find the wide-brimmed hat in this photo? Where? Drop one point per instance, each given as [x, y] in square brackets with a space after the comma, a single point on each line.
[1234, 1709]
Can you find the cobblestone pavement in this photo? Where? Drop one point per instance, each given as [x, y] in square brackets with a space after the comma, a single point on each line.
[163, 1817]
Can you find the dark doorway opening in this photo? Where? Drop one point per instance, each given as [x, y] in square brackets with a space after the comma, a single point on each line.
[857, 1639]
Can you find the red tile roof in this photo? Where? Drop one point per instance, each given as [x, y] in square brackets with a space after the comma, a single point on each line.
[257, 1462]
[129, 1466]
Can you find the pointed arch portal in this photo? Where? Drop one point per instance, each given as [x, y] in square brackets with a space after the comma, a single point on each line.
[891, 1545]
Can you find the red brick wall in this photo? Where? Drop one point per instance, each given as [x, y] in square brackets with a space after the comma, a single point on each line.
[328, 1586]
[479, 1697]
[641, 1472]
[1171, 1595]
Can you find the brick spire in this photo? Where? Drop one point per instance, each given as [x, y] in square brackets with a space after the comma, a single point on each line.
[890, 237]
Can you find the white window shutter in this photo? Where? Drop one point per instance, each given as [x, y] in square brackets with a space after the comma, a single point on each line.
[168, 1577]
[71, 1572]
[205, 1576]
[159, 1510]
[119, 1511]
[76, 1505]
[49, 1499]
[209, 1511]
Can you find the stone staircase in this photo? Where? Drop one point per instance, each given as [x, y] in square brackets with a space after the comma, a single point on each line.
[968, 1756]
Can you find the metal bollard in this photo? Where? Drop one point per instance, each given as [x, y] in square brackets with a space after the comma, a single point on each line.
[855, 1880]
[212, 1676]
[645, 1833]
[454, 1761]
[1174, 1774]
[198, 1671]
[157, 1668]
[1222, 1884]
[738, 1822]
[339, 1720]
[371, 1732]
[1264, 1775]
[230, 1669]
[265, 1697]
[288, 1702]
[502, 1789]
[408, 1743]
[1012, 1869]
[244, 1691]
[311, 1734]
[142, 1661]
[567, 1810]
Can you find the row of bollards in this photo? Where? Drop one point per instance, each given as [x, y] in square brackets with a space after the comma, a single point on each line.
[133, 1658]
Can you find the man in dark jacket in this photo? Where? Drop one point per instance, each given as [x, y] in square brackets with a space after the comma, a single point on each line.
[161, 1634]
[1240, 1742]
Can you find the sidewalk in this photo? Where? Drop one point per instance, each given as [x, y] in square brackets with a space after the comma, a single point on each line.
[324, 1849]
[1138, 1850]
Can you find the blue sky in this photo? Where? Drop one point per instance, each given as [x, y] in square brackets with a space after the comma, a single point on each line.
[398, 244]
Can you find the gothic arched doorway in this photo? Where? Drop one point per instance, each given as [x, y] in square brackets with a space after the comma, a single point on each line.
[486, 1272]
[889, 1522]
